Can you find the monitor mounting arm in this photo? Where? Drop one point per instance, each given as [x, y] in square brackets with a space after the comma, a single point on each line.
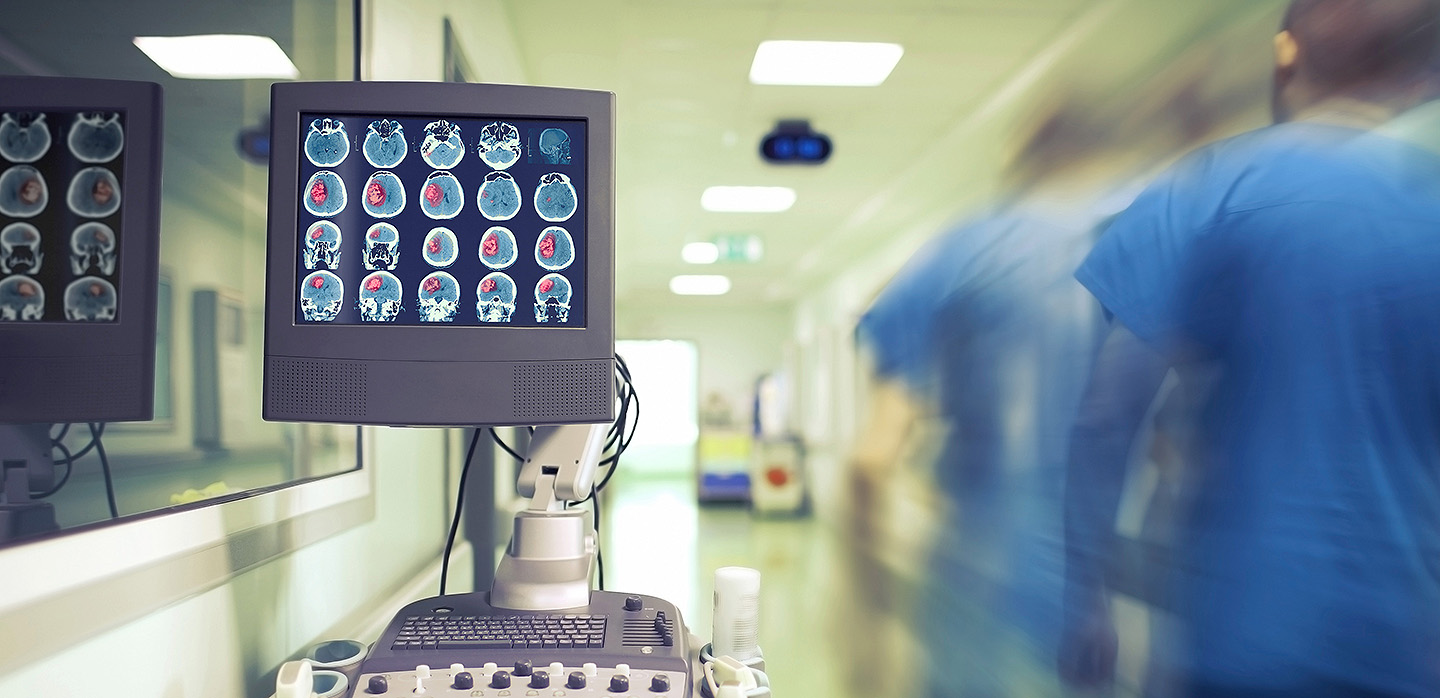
[547, 566]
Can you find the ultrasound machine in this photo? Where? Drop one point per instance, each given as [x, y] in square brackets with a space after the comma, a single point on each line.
[442, 254]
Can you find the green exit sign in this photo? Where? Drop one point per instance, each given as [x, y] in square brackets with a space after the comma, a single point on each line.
[739, 248]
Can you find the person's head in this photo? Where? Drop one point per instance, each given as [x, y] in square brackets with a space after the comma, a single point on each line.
[1381, 52]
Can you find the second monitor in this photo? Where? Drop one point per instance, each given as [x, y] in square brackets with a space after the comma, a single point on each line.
[446, 251]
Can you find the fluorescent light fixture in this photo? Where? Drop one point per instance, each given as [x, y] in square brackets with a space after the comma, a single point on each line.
[700, 253]
[218, 56]
[700, 285]
[748, 199]
[829, 63]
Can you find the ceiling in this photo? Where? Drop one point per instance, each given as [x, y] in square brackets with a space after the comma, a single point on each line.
[911, 154]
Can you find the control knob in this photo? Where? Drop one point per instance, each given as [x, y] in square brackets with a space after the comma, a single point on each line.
[576, 681]
[540, 679]
[619, 683]
[501, 679]
[660, 684]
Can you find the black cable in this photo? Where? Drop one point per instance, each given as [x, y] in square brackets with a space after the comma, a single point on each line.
[459, 502]
[69, 468]
[599, 552]
[356, 39]
[64, 429]
[506, 446]
[97, 430]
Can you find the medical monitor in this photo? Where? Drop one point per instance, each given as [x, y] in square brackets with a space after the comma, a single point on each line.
[79, 248]
[440, 254]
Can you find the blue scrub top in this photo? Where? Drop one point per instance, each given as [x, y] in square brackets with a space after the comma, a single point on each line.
[1303, 261]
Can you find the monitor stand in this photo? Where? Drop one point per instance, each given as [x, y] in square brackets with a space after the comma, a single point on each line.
[26, 465]
[541, 629]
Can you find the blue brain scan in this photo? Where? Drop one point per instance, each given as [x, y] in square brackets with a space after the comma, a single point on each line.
[380, 297]
[23, 193]
[90, 299]
[555, 146]
[21, 299]
[94, 193]
[555, 198]
[327, 144]
[385, 145]
[499, 198]
[554, 249]
[92, 249]
[384, 195]
[322, 245]
[24, 136]
[96, 137]
[20, 251]
[442, 148]
[382, 247]
[438, 298]
[552, 299]
[324, 194]
[441, 197]
[497, 248]
[499, 145]
[320, 296]
[441, 248]
[495, 298]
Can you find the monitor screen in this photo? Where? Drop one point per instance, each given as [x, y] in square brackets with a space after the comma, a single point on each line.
[440, 254]
[441, 219]
[79, 248]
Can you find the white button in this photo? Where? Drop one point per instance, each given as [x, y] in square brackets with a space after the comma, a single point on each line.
[590, 669]
[457, 667]
[422, 671]
[490, 667]
[556, 669]
[419, 685]
[622, 669]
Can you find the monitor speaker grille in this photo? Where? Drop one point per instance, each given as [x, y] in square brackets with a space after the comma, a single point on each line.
[573, 391]
[310, 389]
[96, 389]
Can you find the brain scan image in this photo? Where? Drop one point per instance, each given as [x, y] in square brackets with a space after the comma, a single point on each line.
[440, 248]
[441, 197]
[384, 195]
[555, 146]
[90, 299]
[552, 299]
[21, 299]
[438, 298]
[23, 192]
[382, 247]
[499, 145]
[442, 148]
[94, 193]
[497, 248]
[554, 250]
[92, 248]
[495, 298]
[380, 296]
[20, 249]
[499, 198]
[322, 245]
[324, 194]
[96, 137]
[555, 197]
[24, 137]
[321, 294]
[327, 144]
[385, 145]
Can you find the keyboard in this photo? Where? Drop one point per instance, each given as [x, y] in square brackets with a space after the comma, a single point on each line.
[534, 631]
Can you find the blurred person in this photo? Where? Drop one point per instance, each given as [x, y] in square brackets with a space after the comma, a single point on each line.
[1289, 277]
[986, 331]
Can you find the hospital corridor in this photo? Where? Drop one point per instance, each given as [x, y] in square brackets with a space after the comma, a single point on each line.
[720, 349]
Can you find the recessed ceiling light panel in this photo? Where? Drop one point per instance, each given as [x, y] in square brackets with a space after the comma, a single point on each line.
[219, 56]
[700, 253]
[700, 285]
[748, 199]
[826, 63]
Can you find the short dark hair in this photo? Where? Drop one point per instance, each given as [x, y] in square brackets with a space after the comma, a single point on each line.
[1349, 43]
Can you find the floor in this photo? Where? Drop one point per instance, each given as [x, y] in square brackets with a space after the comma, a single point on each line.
[836, 620]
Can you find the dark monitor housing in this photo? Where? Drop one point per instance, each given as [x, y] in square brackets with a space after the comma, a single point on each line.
[440, 254]
[79, 249]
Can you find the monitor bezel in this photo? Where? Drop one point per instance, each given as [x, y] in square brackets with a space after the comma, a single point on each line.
[132, 334]
[442, 344]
